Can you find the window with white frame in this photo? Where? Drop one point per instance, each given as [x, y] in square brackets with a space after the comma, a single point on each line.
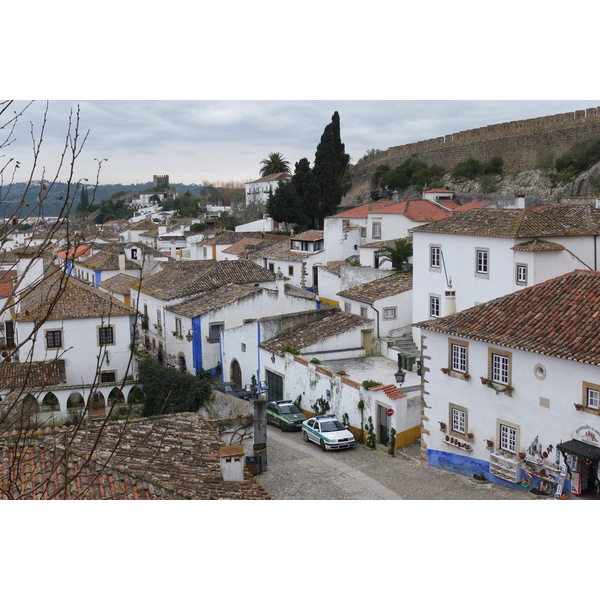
[291, 270]
[389, 313]
[458, 419]
[500, 368]
[521, 274]
[482, 262]
[508, 438]
[376, 230]
[434, 306]
[178, 327]
[458, 356]
[591, 397]
[347, 307]
[363, 311]
[435, 257]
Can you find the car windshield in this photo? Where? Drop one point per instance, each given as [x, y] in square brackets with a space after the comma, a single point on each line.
[288, 410]
[332, 426]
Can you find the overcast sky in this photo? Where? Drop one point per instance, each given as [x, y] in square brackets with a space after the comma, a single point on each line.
[222, 141]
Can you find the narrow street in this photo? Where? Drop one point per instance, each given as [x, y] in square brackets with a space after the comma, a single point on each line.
[298, 470]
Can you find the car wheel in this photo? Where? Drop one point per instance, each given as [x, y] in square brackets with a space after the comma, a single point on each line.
[281, 426]
[305, 436]
[323, 446]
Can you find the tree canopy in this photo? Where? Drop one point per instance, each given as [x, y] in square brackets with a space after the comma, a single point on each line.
[398, 254]
[313, 194]
[274, 163]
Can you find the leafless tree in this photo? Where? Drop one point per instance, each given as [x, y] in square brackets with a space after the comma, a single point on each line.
[22, 448]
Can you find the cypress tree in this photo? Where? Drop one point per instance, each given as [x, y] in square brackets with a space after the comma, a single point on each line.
[331, 162]
[84, 203]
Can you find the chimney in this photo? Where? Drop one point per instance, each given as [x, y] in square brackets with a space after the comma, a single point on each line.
[395, 196]
[520, 200]
[450, 296]
[122, 261]
[233, 460]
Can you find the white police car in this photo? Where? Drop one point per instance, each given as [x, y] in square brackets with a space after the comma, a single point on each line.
[328, 432]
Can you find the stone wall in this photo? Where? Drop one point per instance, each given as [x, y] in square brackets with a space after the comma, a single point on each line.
[517, 142]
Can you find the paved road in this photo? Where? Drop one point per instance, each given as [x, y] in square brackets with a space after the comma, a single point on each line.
[302, 471]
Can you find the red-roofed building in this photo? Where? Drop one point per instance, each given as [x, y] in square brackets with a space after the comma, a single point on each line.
[513, 387]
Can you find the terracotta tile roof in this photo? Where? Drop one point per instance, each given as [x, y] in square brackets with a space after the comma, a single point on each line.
[308, 236]
[318, 331]
[227, 238]
[119, 284]
[82, 250]
[107, 259]
[242, 245]
[361, 212]
[167, 457]
[213, 300]
[145, 225]
[420, 211]
[282, 251]
[558, 317]
[379, 244]
[502, 222]
[188, 278]
[455, 207]
[60, 297]
[538, 246]
[7, 283]
[31, 375]
[273, 177]
[379, 288]
[391, 391]
[583, 217]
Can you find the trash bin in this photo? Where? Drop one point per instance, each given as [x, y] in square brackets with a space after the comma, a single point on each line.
[253, 464]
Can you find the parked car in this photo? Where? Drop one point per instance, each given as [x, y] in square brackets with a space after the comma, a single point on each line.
[328, 432]
[285, 415]
[233, 389]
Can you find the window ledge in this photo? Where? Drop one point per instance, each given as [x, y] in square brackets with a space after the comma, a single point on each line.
[457, 443]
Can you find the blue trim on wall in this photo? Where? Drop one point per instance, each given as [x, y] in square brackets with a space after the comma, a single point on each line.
[69, 265]
[465, 465]
[196, 344]
[97, 277]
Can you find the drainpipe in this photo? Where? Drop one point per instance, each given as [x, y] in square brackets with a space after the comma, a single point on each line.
[258, 388]
[377, 319]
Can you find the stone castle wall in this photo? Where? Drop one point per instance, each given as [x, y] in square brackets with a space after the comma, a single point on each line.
[517, 142]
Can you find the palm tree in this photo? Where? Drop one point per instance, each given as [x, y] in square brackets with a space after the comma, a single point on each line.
[274, 163]
[398, 254]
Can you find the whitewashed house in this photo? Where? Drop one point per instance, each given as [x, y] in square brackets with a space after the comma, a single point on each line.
[89, 332]
[322, 366]
[259, 189]
[513, 387]
[478, 255]
[205, 329]
[180, 281]
[144, 231]
[388, 301]
[298, 258]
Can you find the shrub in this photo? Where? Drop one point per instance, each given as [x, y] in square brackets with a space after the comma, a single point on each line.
[369, 383]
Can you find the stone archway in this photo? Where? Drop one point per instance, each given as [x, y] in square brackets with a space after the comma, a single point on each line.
[235, 372]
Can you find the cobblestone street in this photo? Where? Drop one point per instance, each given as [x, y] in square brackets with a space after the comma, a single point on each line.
[302, 471]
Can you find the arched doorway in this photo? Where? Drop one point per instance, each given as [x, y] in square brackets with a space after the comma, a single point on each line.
[236, 372]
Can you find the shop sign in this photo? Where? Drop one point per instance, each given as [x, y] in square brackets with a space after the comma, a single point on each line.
[588, 434]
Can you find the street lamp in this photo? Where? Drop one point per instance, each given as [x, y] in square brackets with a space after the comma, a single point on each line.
[399, 374]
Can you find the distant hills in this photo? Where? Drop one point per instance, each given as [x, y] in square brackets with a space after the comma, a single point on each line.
[54, 197]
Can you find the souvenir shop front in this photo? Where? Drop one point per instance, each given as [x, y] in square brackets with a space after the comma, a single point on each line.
[582, 455]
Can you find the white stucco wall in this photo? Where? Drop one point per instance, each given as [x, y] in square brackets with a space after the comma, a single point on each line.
[539, 406]
[81, 350]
